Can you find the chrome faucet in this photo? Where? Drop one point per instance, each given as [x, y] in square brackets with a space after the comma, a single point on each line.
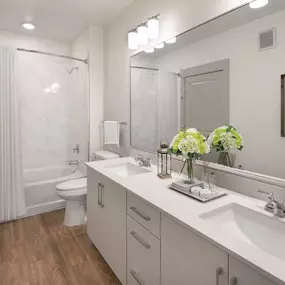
[145, 162]
[273, 206]
[76, 149]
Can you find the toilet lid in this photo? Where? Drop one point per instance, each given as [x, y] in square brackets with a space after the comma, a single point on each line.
[71, 185]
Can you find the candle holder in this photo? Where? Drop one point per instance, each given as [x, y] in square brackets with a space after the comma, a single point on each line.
[164, 160]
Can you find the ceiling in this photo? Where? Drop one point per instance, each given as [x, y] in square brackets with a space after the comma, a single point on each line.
[58, 19]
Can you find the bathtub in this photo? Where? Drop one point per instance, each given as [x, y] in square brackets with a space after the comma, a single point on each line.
[40, 185]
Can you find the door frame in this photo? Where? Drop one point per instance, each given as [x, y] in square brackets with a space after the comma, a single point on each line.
[217, 66]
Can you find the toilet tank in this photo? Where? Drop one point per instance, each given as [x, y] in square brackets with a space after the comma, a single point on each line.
[104, 155]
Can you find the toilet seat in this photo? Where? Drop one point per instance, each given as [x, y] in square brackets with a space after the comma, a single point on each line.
[78, 185]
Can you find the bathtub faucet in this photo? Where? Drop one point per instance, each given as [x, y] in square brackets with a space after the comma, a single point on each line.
[76, 149]
[73, 162]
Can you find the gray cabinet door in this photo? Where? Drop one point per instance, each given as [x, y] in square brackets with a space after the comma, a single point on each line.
[241, 274]
[187, 259]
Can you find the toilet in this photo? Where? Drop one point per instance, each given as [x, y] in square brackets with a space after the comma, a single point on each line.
[75, 192]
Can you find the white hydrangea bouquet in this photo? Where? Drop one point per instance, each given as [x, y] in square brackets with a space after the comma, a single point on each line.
[225, 139]
[191, 144]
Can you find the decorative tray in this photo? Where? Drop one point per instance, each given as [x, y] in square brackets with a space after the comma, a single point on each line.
[215, 194]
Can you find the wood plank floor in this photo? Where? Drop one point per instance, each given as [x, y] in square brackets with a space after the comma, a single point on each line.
[39, 250]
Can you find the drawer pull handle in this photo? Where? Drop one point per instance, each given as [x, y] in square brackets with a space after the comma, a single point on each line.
[99, 192]
[140, 240]
[134, 209]
[219, 273]
[102, 196]
[137, 277]
[234, 281]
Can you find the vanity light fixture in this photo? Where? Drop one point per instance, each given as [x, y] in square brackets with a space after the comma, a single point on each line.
[142, 34]
[133, 39]
[171, 41]
[159, 46]
[258, 4]
[150, 50]
[145, 31]
[28, 26]
[153, 27]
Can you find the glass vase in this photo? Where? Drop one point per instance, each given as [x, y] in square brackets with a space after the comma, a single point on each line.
[190, 170]
[225, 159]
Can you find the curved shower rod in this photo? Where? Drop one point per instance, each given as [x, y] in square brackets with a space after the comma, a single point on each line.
[53, 54]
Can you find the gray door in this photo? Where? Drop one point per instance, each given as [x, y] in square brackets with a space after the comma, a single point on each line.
[205, 104]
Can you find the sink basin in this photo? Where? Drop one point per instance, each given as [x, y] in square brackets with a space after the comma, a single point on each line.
[266, 233]
[128, 169]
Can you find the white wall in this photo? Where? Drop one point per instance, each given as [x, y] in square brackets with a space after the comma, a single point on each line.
[176, 17]
[21, 41]
[90, 45]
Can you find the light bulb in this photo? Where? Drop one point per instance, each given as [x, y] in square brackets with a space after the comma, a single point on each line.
[159, 46]
[133, 39]
[150, 50]
[258, 4]
[142, 34]
[171, 41]
[153, 28]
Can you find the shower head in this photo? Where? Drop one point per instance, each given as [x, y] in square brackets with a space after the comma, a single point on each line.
[73, 68]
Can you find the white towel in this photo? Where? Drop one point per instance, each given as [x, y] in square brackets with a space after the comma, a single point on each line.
[112, 133]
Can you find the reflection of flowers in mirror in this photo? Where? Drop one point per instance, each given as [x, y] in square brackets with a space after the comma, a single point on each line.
[226, 138]
[53, 88]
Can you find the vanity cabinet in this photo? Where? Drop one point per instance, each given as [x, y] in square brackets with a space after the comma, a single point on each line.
[240, 274]
[106, 221]
[188, 259]
[146, 247]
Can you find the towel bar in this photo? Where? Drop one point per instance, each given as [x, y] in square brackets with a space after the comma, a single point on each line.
[121, 123]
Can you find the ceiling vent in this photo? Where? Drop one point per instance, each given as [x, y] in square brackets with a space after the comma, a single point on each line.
[267, 39]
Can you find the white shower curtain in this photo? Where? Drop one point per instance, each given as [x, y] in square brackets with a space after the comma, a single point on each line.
[12, 201]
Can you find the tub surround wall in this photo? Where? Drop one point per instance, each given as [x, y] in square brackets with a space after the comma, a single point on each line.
[51, 124]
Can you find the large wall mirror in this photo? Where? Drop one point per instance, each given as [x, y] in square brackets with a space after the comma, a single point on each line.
[225, 72]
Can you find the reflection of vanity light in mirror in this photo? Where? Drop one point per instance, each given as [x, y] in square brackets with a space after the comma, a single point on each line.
[28, 26]
[258, 4]
[159, 46]
[153, 27]
[142, 34]
[133, 39]
[54, 88]
[150, 50]
[171, 41]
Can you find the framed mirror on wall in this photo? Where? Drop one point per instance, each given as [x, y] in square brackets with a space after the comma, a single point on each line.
[225, 72]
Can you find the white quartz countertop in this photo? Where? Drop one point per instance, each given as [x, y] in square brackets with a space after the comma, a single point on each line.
[187, 211]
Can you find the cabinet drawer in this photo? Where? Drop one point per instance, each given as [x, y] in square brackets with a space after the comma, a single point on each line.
[143, 251]
[145, 214]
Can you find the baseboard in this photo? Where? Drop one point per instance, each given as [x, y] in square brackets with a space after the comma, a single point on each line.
[47, 207]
